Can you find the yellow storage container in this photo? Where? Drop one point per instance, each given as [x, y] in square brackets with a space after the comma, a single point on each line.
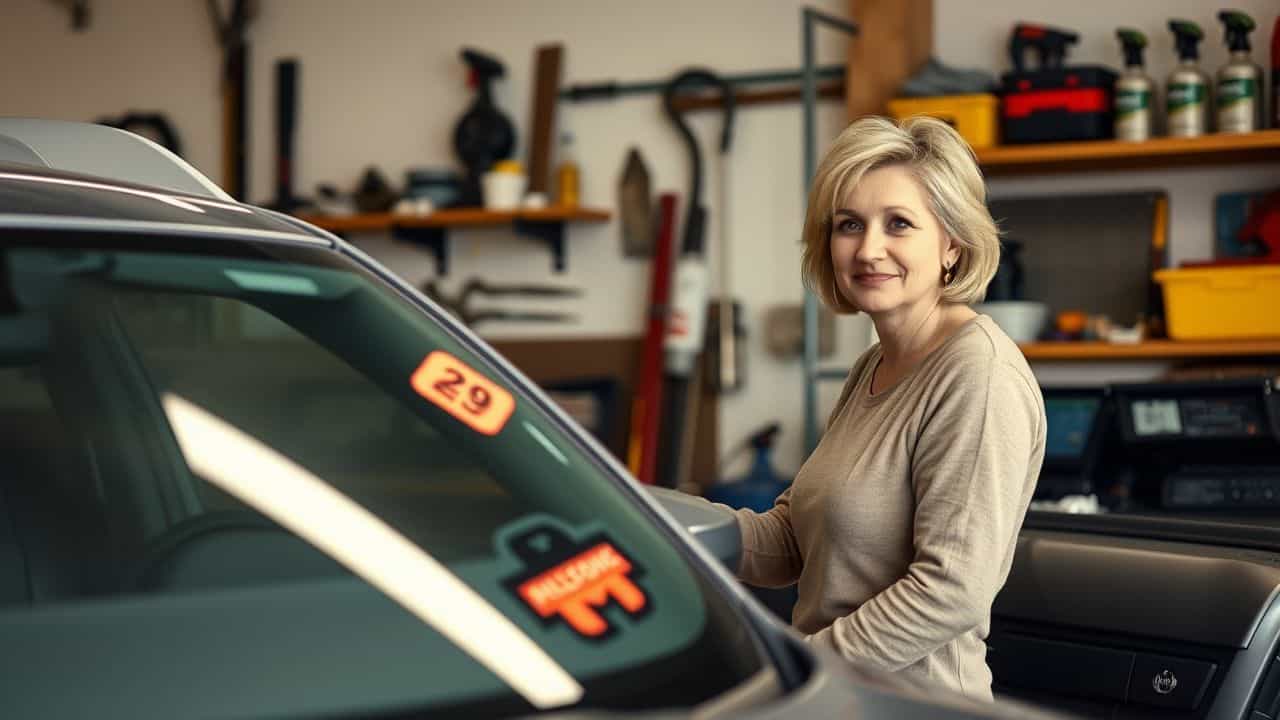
[1222, 303]
[975, 117]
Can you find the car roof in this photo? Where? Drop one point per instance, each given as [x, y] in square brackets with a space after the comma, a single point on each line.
[63, 175]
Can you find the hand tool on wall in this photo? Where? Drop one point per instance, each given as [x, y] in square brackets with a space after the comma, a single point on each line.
[231, 34]
[727, 367]
[635, 207]
[646, 408]
[460, 304]
[483, 135]
[687, 324]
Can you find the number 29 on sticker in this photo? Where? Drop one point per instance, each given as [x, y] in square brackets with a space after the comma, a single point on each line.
[463, 393]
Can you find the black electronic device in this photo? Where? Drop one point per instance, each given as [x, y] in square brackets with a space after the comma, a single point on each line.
[1078, 419]
[1204, 446]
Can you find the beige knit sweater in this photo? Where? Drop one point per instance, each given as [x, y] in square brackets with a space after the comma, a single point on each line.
[900, 528]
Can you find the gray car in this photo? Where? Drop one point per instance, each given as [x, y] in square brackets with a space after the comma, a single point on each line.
[246, 471]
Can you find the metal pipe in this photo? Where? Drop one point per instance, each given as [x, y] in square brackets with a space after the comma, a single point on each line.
[809, 96]
[611, 89]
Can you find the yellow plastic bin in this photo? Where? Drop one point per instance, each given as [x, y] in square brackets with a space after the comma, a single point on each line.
[976, 117]
[1222, 303]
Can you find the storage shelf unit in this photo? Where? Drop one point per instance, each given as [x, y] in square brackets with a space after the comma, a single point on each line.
[1256, 147]
[544, 224]
[1148, 350]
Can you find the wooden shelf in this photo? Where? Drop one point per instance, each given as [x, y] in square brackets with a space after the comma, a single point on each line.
[1255, 147]
[1149, 350]
[457, 217]
[431, 231]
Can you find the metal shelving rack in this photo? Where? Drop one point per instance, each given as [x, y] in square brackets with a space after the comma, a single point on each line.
[809, 98]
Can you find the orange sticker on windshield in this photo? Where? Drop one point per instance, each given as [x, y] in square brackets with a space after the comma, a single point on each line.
[463, 393]
[572, 582]
[578, 587]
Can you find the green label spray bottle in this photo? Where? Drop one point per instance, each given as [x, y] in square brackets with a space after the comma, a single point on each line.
[1187, 99]
[1239, 96]
[1134, 90]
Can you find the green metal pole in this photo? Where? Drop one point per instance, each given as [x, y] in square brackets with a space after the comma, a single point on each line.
[809, 95]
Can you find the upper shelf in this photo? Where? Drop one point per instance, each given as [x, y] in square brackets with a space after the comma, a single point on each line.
[1148, 350]
[457, 217]
[1255, 147]
[545, 224]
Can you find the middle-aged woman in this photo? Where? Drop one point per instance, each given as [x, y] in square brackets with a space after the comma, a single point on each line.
[900, 527]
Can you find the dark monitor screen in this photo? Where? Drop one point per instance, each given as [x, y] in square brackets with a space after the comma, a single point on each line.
[1070, 423]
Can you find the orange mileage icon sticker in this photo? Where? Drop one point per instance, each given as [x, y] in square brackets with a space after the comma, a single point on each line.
[463, 393]
[574, 582]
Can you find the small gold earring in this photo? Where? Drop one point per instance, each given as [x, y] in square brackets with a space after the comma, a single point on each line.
[947, 274]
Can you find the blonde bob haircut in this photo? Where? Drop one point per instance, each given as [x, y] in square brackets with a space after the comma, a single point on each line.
[941, 161]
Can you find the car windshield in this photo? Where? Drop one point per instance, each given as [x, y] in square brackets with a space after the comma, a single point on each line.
[252, 479]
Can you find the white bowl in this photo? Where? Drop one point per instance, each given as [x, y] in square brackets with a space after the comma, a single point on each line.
[1022, 320]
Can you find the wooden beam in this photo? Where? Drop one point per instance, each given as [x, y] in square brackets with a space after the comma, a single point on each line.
[895, 39]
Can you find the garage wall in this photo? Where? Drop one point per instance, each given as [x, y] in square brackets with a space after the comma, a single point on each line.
[382, 85]
[971, 34]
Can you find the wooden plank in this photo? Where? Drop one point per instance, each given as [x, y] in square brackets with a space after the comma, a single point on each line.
[1149, 350]
[542, 123]
[1259, 146]
[895, 39]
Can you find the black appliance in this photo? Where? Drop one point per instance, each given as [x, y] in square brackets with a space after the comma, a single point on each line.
[1203, 446]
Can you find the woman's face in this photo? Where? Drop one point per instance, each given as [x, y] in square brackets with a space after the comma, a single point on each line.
[887, 248]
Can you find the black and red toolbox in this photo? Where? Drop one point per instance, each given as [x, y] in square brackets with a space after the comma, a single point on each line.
[1053, 102]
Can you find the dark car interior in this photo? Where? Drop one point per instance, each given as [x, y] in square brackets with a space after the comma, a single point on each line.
[1165, 603]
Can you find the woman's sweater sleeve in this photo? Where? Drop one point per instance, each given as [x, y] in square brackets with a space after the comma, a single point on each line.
[970, 474]
[770, 555]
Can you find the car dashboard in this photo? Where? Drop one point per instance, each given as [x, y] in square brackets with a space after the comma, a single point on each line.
[1105, 623]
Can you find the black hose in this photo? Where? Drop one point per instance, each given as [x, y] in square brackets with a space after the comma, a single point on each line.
[695, 214]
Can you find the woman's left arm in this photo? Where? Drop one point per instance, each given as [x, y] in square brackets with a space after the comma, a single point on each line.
[973, 478]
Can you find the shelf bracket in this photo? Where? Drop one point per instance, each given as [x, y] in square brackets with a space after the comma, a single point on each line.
[549, 232]
[435, 239]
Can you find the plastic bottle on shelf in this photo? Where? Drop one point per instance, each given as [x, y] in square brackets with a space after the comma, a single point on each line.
[568, 179]
[1187, 98]
[1134, 90]
[1239, 92]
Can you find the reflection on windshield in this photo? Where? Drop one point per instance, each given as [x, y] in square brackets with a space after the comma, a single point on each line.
[300, 501]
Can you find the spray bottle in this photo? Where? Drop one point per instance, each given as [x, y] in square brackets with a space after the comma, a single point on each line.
[1239, 95]
[1133, 90]
[1187, 99]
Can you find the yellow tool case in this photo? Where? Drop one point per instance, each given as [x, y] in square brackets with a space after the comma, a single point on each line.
[976, 117]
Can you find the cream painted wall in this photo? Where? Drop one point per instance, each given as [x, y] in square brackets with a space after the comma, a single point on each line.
[382, 84]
